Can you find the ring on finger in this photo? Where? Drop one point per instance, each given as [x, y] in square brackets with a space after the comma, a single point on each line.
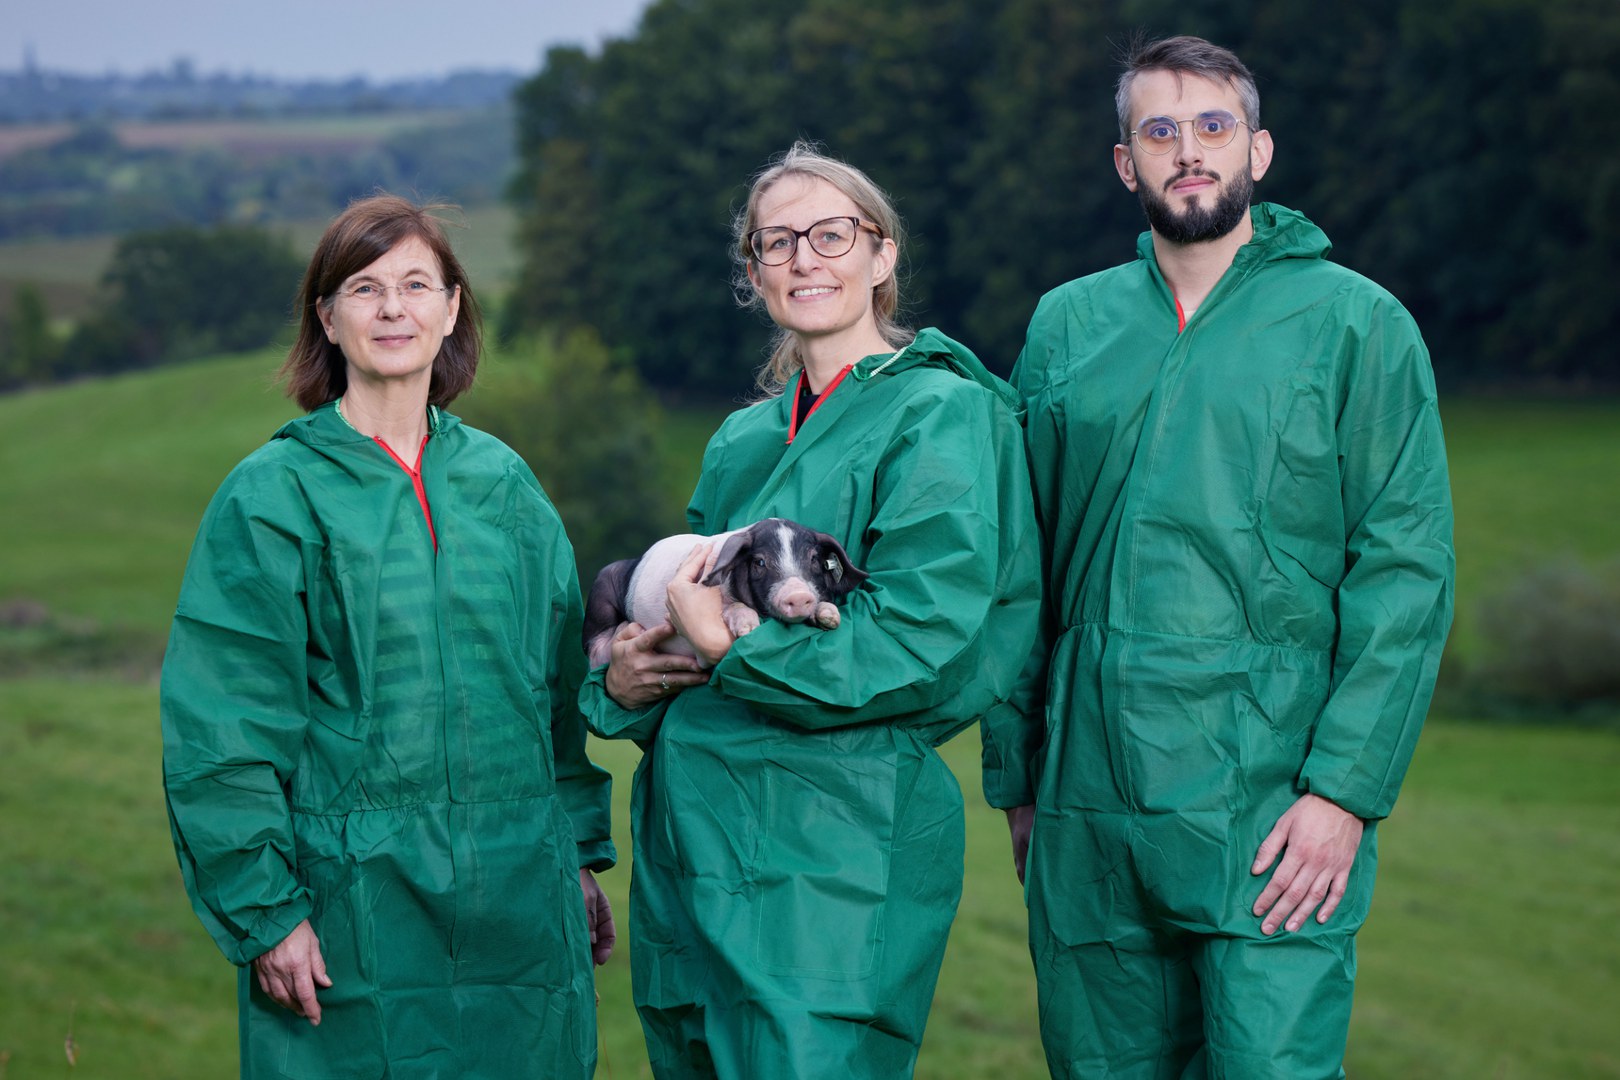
[663, 681]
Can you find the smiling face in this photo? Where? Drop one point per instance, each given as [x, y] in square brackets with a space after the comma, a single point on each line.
[392, 339]
[1191, 193]
[811, 295]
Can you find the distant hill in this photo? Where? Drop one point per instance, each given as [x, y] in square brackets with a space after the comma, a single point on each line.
[33, 96]
[90, 177]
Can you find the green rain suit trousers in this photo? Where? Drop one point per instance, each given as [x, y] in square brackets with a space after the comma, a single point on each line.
[1247, 531]
[798, 839]
[385, 740]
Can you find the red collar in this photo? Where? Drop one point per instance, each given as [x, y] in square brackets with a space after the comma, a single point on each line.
[793, 410]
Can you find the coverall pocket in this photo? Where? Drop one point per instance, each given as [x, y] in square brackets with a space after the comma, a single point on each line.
[824, 870]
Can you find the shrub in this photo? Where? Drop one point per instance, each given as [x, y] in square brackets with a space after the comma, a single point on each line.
[1553, 636]
[37, 641]
[588, 427]
[29, 351]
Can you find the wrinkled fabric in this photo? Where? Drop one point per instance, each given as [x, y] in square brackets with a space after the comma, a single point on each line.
[798, 840]
[386, 741]
[1247, 533]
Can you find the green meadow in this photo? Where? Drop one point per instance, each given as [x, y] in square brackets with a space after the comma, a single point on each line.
[1492, 949]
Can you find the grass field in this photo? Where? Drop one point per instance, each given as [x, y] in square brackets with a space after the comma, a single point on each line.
[1491, 950]
[1530, 481]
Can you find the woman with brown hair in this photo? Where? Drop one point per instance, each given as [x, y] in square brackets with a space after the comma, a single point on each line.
[374, 760]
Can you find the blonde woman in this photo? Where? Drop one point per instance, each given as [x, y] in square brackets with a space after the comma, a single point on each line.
[798, 839]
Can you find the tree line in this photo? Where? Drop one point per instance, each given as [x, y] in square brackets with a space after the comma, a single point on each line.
[1459, 152]
[166, 295]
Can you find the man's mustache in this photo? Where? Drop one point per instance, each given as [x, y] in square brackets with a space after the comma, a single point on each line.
[1184, 173]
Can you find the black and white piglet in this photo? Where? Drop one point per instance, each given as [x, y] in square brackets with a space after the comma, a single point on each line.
[774, 568]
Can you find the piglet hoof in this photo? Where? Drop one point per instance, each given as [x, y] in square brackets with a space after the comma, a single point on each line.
[600, 648]
[827, 616]
[740, 619]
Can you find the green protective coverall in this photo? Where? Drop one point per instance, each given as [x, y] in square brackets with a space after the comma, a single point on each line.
[1247, 528]
[386, 740]
[798, 840]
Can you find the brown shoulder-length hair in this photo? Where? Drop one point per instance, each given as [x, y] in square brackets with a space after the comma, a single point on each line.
[315, 371]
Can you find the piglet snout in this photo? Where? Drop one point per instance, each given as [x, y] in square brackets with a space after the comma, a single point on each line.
[795, 600]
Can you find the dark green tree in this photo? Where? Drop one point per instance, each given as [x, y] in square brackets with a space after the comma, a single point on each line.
[1567, 322]
[1459, 152]
[29, 350]
[671, 125]
[180, 293]
[588, 427]
[560, 225]
[1038, 200]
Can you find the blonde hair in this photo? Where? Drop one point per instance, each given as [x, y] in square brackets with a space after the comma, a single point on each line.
[873, 204]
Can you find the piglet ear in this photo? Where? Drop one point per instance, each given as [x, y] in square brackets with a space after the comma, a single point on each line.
[736, 547]
[845, 576]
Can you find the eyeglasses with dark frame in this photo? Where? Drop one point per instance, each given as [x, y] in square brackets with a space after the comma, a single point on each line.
[1213, 130]
[829, 238]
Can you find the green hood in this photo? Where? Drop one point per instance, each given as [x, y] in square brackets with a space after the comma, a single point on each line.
[933, 348]
[323, 426]
[1279, 233]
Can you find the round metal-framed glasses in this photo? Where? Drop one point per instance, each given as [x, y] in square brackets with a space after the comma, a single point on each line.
[410, 293]
[1213, 130]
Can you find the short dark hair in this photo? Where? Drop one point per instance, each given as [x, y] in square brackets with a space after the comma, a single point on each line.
[315, 370]
[1185, 55]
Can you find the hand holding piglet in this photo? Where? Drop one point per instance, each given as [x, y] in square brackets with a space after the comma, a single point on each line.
[697, 611]
[640, 674]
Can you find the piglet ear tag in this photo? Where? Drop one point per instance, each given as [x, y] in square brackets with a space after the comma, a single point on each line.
[835, 568]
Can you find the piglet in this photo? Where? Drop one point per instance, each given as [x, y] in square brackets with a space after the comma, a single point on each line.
[774, 568]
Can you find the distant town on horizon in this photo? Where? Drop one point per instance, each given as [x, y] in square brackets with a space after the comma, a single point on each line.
[33, 94]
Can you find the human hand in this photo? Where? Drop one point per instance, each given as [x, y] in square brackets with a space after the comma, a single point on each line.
[638, 674]
[1021, 823]
[697, 610]
[290, 972]
[599, 917]
[1318, 840]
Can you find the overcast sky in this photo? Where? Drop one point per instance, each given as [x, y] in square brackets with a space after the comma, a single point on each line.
[304, 39]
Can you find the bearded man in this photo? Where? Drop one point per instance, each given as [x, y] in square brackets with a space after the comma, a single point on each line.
[1242, 491]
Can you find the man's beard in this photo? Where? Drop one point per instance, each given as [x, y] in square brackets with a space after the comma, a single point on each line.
[1195, 224]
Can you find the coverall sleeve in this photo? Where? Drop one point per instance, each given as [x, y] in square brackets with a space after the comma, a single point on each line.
[586, 789]
[952, 550]
[1395, 600]
[234, 711]
[555, 653]
[1014, 732]
[607, 718]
